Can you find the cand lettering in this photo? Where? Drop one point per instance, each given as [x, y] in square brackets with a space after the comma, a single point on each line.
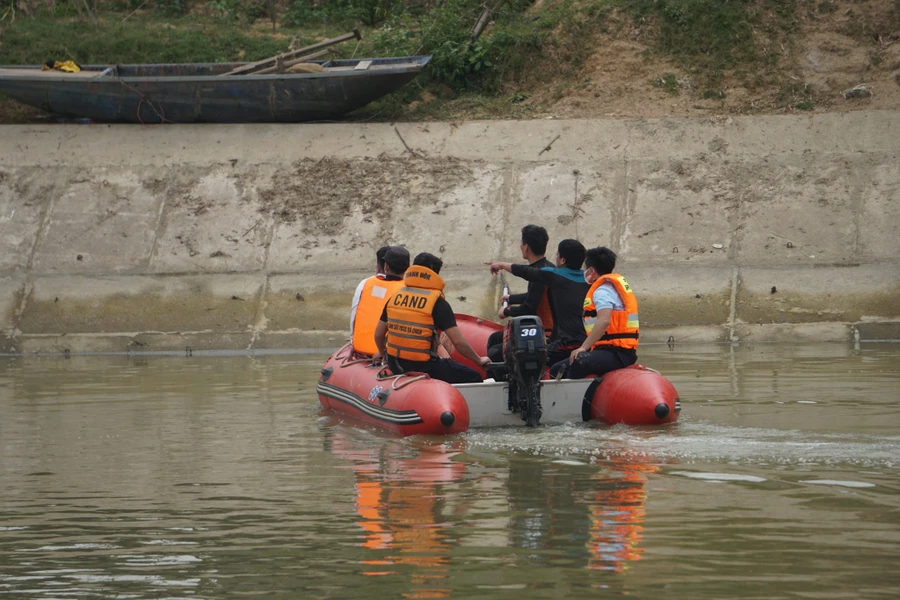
[410, 300]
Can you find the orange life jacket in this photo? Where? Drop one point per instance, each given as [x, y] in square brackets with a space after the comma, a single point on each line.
[411, 333]
[623, 324]
[545, 314]
[375, 293]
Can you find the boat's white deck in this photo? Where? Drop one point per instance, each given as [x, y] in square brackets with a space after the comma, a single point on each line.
[488, 405]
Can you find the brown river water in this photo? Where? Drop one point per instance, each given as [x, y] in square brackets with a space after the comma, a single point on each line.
[218, 477]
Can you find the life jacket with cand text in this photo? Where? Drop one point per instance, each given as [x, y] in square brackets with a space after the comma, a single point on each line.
[411, 334]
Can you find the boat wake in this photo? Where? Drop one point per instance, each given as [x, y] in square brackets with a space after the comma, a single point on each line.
[695, 442]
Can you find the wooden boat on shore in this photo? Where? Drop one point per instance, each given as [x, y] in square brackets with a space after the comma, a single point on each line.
[204, 93]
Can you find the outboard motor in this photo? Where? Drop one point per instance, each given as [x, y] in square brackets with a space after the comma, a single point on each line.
[525, 355]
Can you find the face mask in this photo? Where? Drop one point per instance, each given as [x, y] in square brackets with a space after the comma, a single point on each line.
[588, 279]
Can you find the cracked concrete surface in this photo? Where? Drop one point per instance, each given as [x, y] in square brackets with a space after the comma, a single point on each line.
[121, 238]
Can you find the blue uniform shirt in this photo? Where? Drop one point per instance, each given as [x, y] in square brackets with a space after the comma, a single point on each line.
[607, 296]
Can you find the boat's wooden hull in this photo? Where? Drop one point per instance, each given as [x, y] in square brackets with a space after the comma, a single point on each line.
[199, 94]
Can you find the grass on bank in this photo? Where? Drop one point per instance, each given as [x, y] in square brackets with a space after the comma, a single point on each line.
[527, 46]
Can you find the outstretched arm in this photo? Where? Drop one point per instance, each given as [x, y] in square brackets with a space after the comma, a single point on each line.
[463, 347]
[497, 266]
[529, 273]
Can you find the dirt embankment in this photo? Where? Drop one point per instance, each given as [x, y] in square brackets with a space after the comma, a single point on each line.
[835, 46]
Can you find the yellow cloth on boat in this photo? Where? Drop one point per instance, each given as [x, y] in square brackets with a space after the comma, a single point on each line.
[68, 66]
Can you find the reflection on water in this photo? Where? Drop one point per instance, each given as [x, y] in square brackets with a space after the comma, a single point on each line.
[398, 502]
[218, 477]
[617, 517]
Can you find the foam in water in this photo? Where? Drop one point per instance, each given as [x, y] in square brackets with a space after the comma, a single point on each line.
[694, 441]
[719, 476]
[849, 484]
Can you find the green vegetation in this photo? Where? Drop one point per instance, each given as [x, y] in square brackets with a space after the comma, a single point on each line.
[710, 37]
[525, 46]
[669, 82]
[796, 95]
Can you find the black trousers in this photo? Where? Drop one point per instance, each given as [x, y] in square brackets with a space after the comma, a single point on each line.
[596, 362]
[445, 369]
[495, 346]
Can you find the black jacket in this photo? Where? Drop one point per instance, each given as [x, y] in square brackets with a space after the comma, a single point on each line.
[527, 303]
[566, 290]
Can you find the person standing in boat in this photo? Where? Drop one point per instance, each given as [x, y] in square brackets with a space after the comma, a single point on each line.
[409, 329]
[610, 320]
[566, 289]
[535, 301]
[372, 295]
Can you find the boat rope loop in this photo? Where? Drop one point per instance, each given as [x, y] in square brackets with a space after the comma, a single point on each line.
[352, 357]
[347, 356]
[161, 113]
[384, 374]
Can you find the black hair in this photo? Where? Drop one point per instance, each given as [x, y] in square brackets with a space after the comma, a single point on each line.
[602, 259]
[536, 237]
[379, 257]
[397, 259]
[429, 261]
[573, 253]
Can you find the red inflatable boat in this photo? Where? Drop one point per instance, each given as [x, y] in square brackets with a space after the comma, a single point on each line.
[416, 404]
[406, 404]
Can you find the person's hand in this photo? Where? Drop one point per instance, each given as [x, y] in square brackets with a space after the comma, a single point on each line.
[496, 267]
[501, 313]
[575, 354]
[378, 357]
[504, 298]
[484, 361]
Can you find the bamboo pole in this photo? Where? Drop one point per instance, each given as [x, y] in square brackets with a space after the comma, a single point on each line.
[290, 63]
[483, 20]
[271, 61]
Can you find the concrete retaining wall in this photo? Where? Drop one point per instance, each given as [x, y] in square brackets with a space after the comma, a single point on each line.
[122, 238]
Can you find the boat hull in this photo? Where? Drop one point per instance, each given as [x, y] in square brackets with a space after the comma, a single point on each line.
[476, 331]
[198, 93]
[635, 395]
[406, 405]
[412, 404]
[632, 396]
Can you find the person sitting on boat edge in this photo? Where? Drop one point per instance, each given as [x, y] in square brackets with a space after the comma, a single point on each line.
[375, 292]
[379, 274]
[610, 321]
[566, 289]
[535, 301]
[409, 329]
